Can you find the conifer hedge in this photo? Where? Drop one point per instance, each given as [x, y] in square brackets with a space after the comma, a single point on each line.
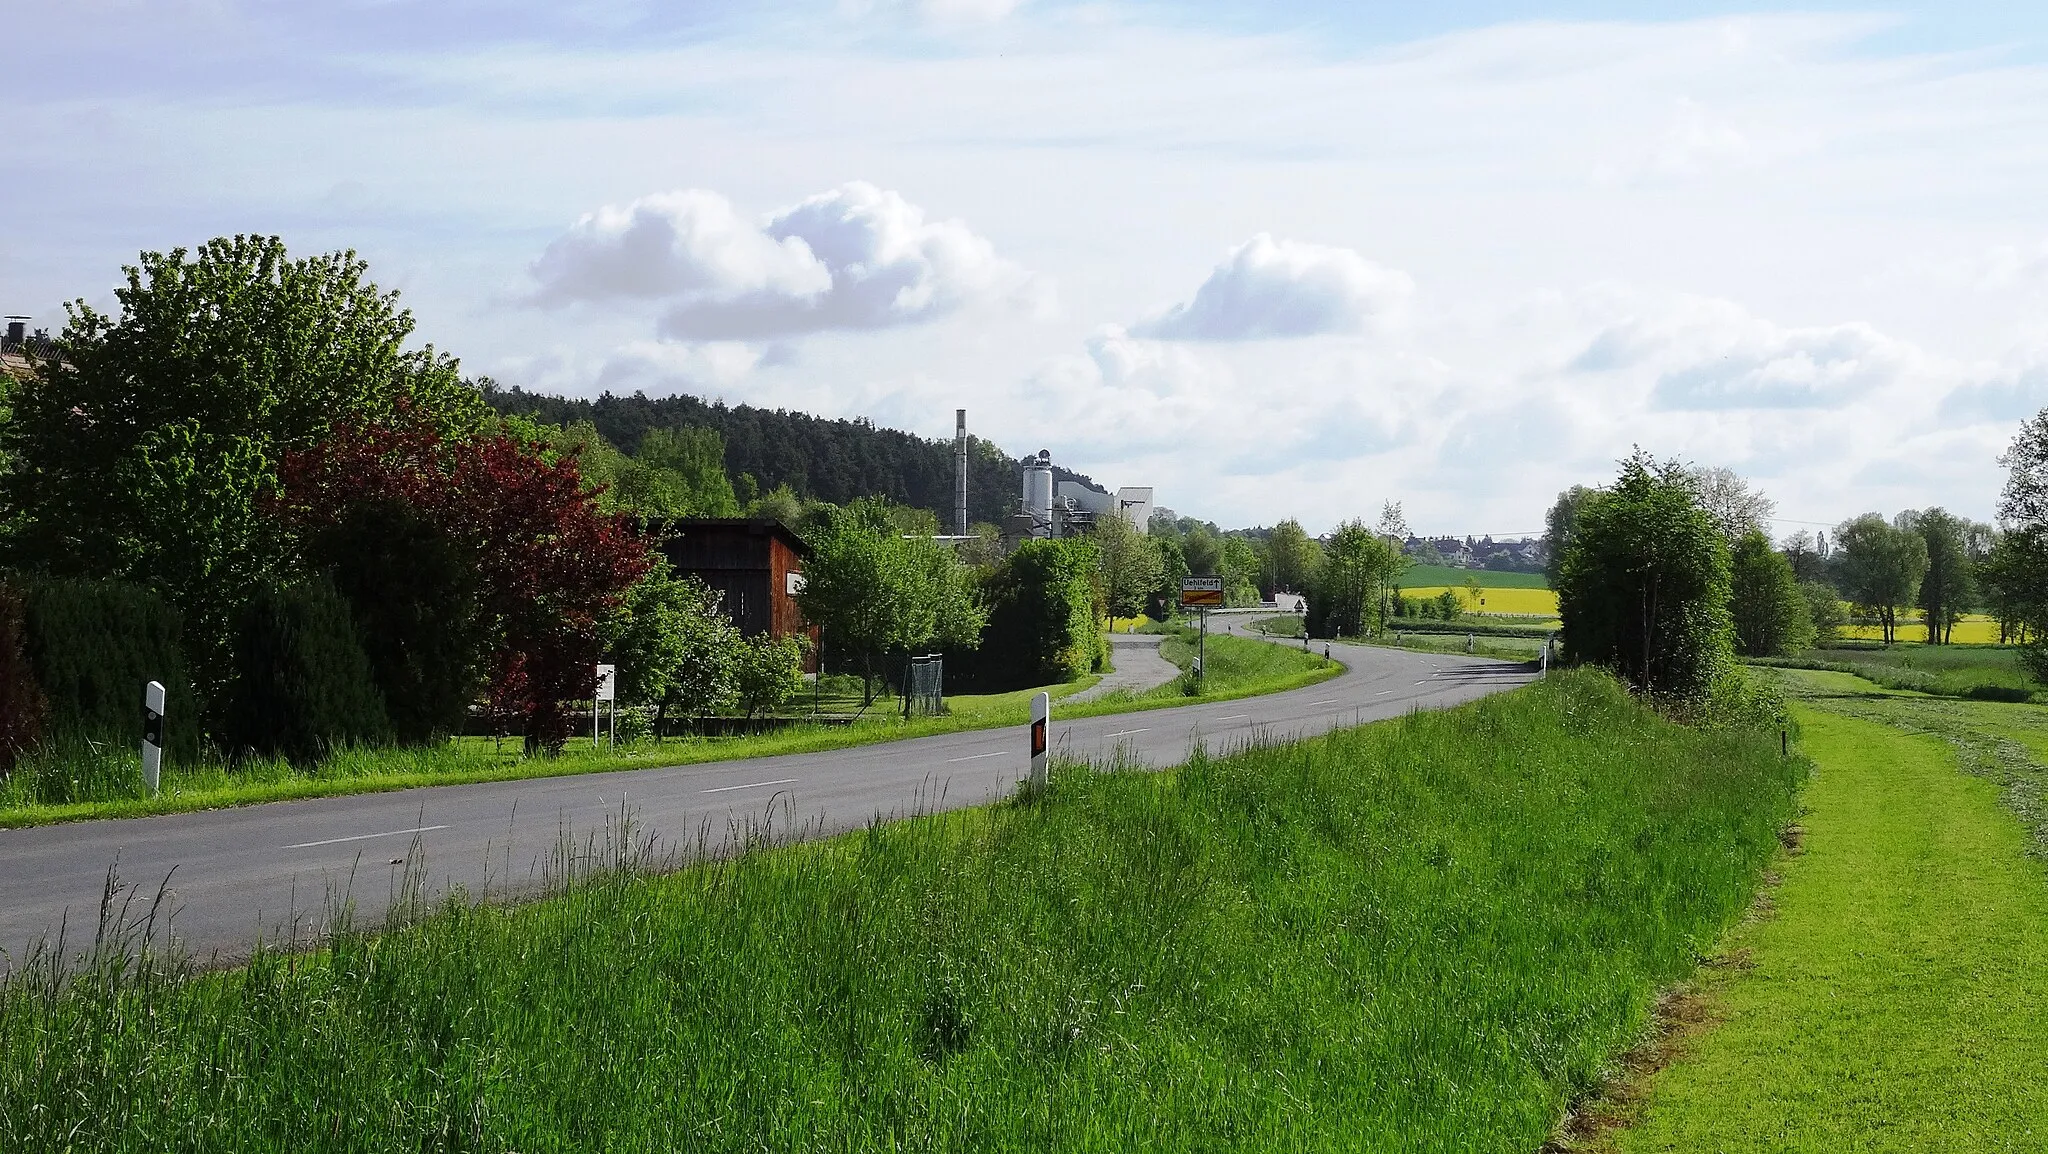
[302, 683]
[92, 646]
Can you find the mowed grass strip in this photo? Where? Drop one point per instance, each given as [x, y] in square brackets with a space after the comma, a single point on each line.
[1429, 934]
[1897, 998]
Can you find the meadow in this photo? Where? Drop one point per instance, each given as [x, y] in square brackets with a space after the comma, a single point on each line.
[1429, 934]
[1950, 670]
[1890, 996]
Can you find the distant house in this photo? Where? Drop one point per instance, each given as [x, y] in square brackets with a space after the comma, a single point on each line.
[757, 563]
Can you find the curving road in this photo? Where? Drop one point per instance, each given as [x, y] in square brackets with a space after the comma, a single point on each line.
[270, 871]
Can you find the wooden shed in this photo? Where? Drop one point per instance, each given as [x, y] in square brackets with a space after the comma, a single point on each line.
[757, 563]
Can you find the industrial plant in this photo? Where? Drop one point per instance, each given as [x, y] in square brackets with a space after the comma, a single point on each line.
[1049, 507]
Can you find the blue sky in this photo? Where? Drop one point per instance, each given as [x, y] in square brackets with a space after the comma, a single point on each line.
[1271, 261]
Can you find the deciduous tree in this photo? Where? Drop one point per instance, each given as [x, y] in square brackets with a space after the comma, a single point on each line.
[144, 446]
[1879, 567]
[1770, 613]
[1946, 588]
[1644, 583]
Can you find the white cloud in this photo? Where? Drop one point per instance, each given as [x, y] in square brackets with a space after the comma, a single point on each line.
[857, 257]
[1702, 355]
[1284, 288]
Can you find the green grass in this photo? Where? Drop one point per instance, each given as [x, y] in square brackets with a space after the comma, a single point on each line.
[1423, 935]
[1430, 576]
[1509, 648]
[1953, 670]
[110, 785]
[1896, 996]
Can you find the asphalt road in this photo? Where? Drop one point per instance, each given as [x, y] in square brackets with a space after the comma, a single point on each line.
[272, 871]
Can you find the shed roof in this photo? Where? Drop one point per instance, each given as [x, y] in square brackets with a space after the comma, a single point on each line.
[733, 526]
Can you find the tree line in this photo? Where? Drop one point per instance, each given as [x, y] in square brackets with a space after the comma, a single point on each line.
[1668, 573]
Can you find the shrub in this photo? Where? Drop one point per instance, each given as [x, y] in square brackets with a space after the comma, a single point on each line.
[303, 685]
[769, 673]
[1041, 620]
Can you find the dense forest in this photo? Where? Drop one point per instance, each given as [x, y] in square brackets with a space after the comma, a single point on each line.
[818, 457]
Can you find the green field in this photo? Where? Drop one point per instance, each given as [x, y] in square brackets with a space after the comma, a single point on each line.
[1894, 997]
[1953, 670]
[1427, 576]
[1431, 934]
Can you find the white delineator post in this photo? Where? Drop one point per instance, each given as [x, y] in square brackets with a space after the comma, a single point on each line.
[1041, 720]
[152, 735]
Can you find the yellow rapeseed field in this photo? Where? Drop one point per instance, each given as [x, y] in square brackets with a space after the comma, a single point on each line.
[1973, 629]
[1529, 602]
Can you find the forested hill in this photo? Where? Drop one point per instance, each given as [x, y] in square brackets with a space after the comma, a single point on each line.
[833, 460]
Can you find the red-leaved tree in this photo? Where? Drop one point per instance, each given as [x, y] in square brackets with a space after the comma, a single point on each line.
[550, 565]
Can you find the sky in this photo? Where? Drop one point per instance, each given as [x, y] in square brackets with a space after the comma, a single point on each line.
[1275, 261]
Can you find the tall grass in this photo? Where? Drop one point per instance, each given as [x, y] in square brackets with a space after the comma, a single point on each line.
[1428, 934]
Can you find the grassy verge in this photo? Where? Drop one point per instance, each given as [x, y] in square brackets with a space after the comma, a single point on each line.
[1428, 934]
[1237, 668]
[211, 785]
[1893, 998]
[1483, 644]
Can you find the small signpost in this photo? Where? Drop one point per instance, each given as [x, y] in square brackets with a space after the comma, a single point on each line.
[152, 735]
[1041, 719]
[1201, 594]
[607, 693]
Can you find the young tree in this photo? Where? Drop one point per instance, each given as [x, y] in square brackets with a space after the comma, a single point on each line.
[1644, 583]
[1770, 613]
[1358, 567]
[1946, 589]
[1560, 524]
[770, 673]
[1880, 567]
[144, 446]
[1128, 567]
[1240, 572]
[1203, 551]
[1292, 557]
[1823, 610]
[1042, 624]
[675, 647]
[876, 594]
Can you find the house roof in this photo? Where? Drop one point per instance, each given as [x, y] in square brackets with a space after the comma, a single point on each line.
[732, 527]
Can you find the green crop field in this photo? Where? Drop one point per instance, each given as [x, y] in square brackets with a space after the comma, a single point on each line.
[1430, 934]
[1428, 576]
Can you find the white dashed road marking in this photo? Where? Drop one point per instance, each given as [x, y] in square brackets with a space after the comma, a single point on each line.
[364, 836]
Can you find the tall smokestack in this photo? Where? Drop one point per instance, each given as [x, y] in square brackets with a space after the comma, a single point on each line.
[960, 471]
